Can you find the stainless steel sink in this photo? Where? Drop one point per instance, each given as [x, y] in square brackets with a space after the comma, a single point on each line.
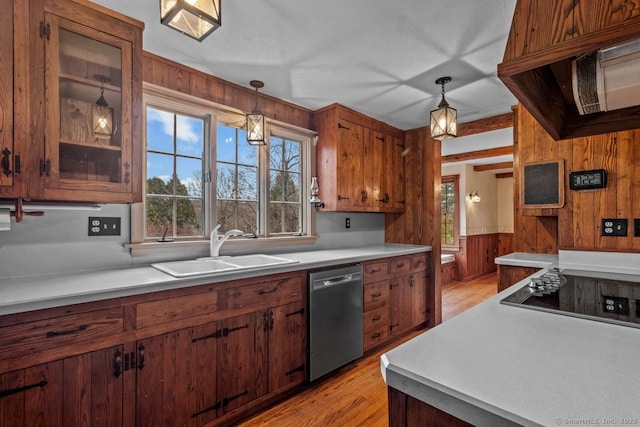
[203, 266]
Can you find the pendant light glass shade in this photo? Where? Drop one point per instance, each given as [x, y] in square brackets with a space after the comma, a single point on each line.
[255, 120]
[194, 18]
[102, 116]
[444, 118]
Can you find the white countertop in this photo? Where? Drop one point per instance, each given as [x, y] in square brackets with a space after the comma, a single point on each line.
[523, 259]
[37, 292]
[497, 365]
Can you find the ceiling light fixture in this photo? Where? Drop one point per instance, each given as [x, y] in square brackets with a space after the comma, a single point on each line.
[444, 118]
[194, 18]
[255, 120]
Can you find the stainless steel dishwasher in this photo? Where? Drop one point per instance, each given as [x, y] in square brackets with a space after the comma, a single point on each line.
[335, 318]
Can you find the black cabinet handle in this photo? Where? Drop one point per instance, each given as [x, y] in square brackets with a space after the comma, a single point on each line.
[141, 357]
[375, 319]
[267, 291]
[376, 295]
[6, 393]
[5, 163]
[376, 335]
[342, 197]
[117, 364]
[52, 334]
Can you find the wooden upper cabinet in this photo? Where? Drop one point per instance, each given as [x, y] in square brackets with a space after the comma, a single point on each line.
[8, 160]
[86, 90]
[544, 39]
[357, 167]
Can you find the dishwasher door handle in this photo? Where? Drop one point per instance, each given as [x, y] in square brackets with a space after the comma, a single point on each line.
[319, 284]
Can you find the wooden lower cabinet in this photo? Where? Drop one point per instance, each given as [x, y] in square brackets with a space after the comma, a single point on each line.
[197, 375]
[395, 297]
[87, 389]
[162, 367]
[407, 411]
[510, 275]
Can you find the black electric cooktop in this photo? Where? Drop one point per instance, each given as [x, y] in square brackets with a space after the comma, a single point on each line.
[604, 297]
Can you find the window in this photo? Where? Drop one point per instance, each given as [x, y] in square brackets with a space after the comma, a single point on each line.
[200, 172]
[449, 222]
[174, 187]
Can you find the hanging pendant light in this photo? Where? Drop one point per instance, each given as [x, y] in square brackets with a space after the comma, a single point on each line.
[444, 118]
[194, 18]
[103, 120]
[255, 120]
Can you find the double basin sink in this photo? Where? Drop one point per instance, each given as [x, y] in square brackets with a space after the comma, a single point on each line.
[203, 266]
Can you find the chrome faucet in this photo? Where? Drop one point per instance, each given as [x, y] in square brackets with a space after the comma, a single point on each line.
[217, 241]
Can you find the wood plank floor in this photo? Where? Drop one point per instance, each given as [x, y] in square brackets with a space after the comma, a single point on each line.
[356, 395]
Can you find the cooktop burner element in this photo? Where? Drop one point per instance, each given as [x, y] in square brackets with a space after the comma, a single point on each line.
[612, 298]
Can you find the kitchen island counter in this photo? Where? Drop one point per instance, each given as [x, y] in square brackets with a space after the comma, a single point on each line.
[29, 293]
[502, 365]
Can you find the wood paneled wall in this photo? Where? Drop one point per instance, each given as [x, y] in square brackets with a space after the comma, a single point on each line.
[420, 223]
[172, 75]
[577, 225]
[476, 256]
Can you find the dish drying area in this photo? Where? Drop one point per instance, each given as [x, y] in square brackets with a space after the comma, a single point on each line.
[211, 265]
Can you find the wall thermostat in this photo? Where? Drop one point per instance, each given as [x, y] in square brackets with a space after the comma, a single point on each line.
[586, 180]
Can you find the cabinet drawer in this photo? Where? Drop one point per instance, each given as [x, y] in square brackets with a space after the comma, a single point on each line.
[375, 271]
[376, 295]
[376, 319]
[400, 265]
[375, 337]
[418, 262]
[59, 331]
[177, 308]
[268, 294]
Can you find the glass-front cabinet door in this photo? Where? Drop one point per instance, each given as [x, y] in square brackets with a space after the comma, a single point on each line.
[88, 97]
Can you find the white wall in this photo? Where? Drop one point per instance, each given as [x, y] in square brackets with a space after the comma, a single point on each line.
[505, 205]
[494, 212]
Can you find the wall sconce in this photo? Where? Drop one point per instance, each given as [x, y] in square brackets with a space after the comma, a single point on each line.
[474, 197]
[443, 118]
[103, 120]
[314, 199]
[194, 18]
[255, 120]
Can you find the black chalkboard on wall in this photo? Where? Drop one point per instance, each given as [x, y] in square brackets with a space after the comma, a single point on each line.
[543, 184]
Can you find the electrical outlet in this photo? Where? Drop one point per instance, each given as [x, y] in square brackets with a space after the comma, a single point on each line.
[615, 305]
[613, 227]
[347, 223]
[104, 226]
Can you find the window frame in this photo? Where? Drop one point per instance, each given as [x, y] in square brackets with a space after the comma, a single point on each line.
[455, 179]
[167, 99]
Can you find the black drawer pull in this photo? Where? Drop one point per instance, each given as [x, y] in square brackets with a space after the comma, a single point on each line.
[375, 270]
[80, 328]
[216, 334]
[375, 319]
[400, 265]
[117, 364]
[267, 291]
[376, 295]
[376, 335]
[6, 393]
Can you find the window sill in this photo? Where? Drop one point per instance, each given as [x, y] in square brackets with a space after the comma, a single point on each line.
[197, 248]
[450, 248]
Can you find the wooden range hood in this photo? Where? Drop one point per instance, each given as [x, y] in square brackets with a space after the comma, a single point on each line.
[544, 38]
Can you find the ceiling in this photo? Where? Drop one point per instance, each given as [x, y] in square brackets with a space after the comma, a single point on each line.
[377, 57]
